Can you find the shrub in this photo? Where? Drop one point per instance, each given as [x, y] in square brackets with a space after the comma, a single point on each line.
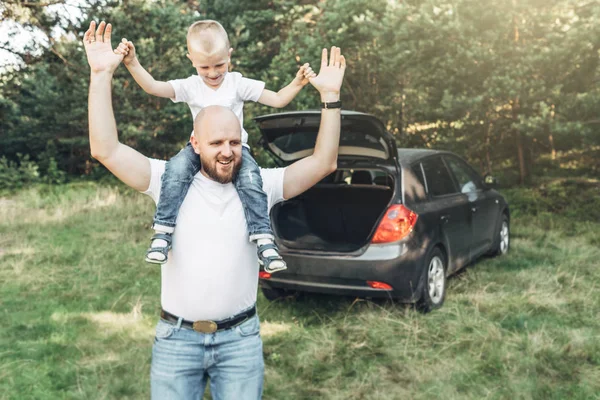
[15, 175]
[53, 173]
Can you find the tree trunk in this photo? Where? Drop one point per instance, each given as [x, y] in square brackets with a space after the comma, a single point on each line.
[515, 111]
[519, 143]
[552, 149]
[488, 161]
[521, 158]
[550, 137]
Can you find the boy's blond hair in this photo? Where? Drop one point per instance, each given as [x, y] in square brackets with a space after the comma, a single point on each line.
[207, 36]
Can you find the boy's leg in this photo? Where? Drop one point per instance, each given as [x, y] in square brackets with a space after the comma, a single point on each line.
[248, 184]
[175, 182]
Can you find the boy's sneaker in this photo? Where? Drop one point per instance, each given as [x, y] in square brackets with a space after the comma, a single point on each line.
[158, 252]
[269, 258]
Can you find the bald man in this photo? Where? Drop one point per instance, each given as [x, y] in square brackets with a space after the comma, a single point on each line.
[208, 326]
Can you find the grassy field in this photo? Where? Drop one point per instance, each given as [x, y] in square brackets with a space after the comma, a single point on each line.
[78, 308]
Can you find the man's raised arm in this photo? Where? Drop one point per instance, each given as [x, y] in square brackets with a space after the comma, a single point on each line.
[305, 173]
[128, 165]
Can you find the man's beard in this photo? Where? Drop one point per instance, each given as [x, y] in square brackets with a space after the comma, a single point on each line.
[211, 171]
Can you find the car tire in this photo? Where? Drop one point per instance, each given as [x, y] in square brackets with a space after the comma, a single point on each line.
[502, 238]
[273, 294]
[433, 292]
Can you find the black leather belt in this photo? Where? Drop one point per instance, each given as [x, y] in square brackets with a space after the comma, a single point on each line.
[210, 326]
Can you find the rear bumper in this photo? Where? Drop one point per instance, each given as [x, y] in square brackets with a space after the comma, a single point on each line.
[399, 265]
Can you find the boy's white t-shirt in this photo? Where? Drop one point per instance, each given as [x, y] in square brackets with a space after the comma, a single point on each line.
[233, 92]
[212, 271]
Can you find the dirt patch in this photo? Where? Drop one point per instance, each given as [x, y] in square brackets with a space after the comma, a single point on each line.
[4, 202]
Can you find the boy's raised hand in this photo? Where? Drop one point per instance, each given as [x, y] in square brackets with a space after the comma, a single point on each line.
[100, 54]
[126, 48]
[303, 75]
[331, 74]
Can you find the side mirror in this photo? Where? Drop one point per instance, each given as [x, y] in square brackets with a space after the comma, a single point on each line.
[490, 180]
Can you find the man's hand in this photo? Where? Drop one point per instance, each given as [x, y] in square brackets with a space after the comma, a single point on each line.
[329, 80]
[100, 54]
[304, 173]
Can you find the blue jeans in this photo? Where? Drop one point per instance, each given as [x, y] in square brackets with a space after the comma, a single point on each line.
[183, 360]
[179, 174]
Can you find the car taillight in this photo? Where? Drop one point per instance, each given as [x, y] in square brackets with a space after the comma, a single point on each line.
[264, 275]
[379, 285]
[396, 224]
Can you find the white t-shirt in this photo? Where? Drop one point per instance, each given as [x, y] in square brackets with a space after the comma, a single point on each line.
[212, 271]
[233, 92]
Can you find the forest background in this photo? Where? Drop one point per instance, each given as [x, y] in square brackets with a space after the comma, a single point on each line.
[512, 86]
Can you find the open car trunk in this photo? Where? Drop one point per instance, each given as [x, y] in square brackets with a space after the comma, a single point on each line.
[332, 217]
[339, 214]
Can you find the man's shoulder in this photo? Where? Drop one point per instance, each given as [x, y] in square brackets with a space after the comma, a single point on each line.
[157, 168]
[273, 184]
[154, 162]
[268, 172]
[272, 176]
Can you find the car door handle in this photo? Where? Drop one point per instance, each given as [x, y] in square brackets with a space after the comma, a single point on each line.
[445, 219]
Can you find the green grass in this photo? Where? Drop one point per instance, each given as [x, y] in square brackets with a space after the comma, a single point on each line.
[78, 307]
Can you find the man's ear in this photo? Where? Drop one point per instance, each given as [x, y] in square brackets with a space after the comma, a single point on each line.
[195, 144]
[189, 57]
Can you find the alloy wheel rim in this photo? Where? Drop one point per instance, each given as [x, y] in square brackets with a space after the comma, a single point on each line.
[436, 279]
[504, 238]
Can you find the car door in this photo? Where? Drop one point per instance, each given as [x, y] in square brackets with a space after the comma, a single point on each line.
[449, 210]
[483, 206]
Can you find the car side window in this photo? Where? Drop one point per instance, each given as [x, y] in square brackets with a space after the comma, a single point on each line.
[416, 169]
[437, 177]
[468, 181]
[414, 186]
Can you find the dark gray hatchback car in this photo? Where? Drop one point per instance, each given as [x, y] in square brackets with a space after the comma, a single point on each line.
[388, 222]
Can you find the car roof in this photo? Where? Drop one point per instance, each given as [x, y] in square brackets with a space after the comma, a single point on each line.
[292, 113]
[408, 156]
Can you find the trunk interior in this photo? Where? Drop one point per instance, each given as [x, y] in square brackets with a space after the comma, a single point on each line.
[339, 214]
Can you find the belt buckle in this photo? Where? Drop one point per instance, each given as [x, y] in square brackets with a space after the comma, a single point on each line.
[205, 326]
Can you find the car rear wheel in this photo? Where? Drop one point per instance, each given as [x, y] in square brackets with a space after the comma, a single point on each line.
[273, 294]
[502, 240]
[434, 289]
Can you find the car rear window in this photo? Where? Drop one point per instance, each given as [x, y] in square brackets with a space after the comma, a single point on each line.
[294, 134]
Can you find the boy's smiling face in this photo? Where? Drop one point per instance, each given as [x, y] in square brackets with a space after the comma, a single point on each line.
[211, 67]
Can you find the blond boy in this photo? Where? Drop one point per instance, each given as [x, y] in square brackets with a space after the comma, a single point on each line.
[210, 53]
